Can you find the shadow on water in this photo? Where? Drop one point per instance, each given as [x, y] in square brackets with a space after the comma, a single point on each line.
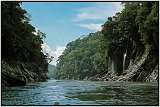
[123, 94]
[81, 93]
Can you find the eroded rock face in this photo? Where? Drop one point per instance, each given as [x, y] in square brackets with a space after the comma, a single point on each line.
[143, 68]
[19, 74]
[133, 69]
[10, 80]
[130, 61]
[153, 77]
[140, 68]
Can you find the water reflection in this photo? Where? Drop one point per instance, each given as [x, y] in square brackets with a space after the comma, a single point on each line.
[81, 93]
[121, 94]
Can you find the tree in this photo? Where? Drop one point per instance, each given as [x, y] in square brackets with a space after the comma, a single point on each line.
[20, 43]
[77, 59]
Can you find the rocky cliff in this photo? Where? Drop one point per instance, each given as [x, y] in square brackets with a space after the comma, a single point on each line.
[18, 74]
[128, 64]
[130, 42]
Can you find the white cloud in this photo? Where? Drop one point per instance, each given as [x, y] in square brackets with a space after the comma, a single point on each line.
[47, 49]
[99, 11]
[59, 50]
[95, 27]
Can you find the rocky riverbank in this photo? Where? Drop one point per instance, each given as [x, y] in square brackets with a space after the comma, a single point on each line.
[18, 74]
[131, 44]
[143, 69]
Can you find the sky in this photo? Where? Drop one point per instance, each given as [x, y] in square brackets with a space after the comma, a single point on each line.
[63, 22]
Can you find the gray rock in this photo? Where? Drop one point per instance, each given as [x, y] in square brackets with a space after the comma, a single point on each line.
[153, 77]
[19, 74]
[56, 103]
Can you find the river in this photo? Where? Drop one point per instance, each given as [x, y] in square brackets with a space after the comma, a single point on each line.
[81, 93]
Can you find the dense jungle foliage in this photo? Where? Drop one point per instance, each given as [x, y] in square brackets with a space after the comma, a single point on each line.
[76, 61]
[137, 23]
[20, 41]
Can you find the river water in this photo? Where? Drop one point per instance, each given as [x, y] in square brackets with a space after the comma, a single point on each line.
[81, 93]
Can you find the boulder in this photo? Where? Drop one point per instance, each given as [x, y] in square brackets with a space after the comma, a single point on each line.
[18, 74]
[12, 80]
[153, 77]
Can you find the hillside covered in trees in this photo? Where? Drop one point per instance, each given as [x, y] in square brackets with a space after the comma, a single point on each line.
[76, 61]
[50, 73]
[126, 49]
[22, 56]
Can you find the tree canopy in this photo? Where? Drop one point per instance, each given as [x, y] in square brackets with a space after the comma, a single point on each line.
[20, 40]
[77, 59]
[135, 29]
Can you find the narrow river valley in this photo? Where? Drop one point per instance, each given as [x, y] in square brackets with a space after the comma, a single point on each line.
[81, 93]
[93, 50]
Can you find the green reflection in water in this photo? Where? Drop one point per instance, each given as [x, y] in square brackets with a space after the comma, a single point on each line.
[123, 94]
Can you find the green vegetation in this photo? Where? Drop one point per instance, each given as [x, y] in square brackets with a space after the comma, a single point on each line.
[132, 31]
[50, 72]
[78, 57]
[20, 41]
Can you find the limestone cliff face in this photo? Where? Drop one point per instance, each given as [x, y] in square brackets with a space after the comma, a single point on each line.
[20, 73]
[128, 64]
